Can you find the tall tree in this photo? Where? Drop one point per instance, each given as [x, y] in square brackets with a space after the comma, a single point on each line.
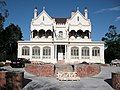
[3, 13]
[112, 44]
[9, 38]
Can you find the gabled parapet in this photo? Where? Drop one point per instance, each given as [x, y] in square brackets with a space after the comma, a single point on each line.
[76, 28]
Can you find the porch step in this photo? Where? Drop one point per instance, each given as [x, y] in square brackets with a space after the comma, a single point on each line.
[67, 76]
[63, 67]
[61, 61]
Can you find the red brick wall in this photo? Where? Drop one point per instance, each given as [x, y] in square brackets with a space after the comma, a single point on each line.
[116, 80]
[11, 80]
[40, 69]
[2, 79]
[84, 70]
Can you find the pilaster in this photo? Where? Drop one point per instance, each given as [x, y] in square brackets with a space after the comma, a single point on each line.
[30, 52]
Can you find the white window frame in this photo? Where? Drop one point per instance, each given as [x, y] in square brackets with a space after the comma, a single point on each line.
[74, 53]
[36, 52]
[25, 51]
[46, 52]
[95, 51]
[85, 53]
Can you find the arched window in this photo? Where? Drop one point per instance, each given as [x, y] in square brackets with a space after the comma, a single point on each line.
[36, 52]
[95, 51]
[41, 33]
[35, 33]
[48, 33]
[86, 33]
[80, 33]
[72, 33]
[75, 53]
[25, 50]
[85, 53]
[46, 52]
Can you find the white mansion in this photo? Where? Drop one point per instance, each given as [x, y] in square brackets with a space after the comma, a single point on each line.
[66, 40]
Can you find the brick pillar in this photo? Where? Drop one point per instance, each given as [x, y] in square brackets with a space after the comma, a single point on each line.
[2, 80]
[116, 80]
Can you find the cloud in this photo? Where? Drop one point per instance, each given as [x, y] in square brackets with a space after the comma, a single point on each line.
[117, 18]
[117, 8]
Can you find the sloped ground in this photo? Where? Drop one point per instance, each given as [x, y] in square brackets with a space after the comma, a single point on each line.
[99, 82]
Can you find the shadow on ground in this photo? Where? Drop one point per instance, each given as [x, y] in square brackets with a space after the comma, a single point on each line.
[25, 82]
[109, 81]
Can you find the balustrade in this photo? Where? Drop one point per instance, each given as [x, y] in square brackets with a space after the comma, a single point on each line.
[67, 76]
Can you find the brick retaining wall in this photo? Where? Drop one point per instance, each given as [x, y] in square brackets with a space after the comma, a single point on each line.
[40, 69]
[84, 70]
[116, 80]
[2, 80]
[11, 80]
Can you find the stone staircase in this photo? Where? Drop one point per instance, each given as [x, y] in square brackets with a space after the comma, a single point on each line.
[63, 67]
[61, 61]
[65, 72]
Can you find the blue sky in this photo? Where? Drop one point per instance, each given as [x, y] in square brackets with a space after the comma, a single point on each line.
[102, 13]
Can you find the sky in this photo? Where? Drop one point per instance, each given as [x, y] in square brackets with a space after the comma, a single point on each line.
[102, 13]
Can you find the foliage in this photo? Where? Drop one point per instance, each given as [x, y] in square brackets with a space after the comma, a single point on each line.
[8, 42]
[8, 36]
[3, 13]
[112, 44]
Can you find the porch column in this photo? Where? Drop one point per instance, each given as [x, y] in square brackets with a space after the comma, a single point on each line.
[69, 53]
[55, 52]
[89, 35]
[30, 52]
[90, 52]
[80, 55]
[52, 53]
[66, 60]
[19, 54]
[41, 52]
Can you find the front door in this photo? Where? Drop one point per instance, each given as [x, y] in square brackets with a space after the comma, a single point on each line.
[60, 52]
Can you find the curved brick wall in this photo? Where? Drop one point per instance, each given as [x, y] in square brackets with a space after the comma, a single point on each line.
[116, 80]
[40, 69]
[2, 80]
[84, 70]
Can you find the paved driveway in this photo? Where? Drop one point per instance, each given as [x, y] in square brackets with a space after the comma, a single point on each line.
[101, 81]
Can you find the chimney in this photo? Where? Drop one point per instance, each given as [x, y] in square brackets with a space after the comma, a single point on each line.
[35, 12]
[86, 13]
[72, 13]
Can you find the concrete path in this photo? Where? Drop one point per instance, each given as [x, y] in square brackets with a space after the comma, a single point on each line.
[98, 82]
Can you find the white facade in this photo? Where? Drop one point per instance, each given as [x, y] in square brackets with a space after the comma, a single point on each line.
[61, 39]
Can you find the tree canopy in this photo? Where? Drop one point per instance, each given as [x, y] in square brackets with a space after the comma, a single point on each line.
[3, 13]
[112, 44]
[8, 36]
[8, 42]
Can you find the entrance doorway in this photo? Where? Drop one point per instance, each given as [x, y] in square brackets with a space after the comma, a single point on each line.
[60, 52]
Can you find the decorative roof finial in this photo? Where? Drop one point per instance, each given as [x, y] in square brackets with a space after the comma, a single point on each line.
[86, 13]
[35, 7]
[35, 12]
[43, 8]
[85, 7]
[77, 8]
